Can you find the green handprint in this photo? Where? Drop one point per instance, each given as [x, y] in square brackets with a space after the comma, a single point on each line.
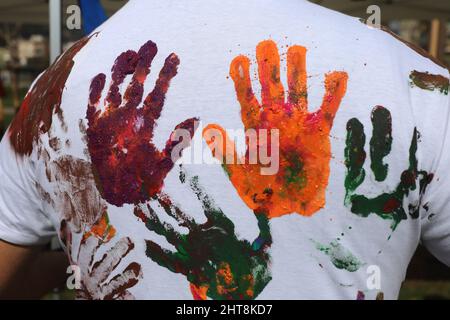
[214, 260]
[388, 205]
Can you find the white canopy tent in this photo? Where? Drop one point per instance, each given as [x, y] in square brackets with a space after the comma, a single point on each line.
[46, 12]
[39, 12]
[393, 9]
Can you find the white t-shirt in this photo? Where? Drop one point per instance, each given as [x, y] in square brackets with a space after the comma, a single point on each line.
[342, 155]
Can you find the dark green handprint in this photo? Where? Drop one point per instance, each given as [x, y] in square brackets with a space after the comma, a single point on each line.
[381, 142]
[388, 205]
[215, 262]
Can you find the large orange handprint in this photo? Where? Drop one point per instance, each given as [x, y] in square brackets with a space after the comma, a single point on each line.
[129, 167]
[304, 144]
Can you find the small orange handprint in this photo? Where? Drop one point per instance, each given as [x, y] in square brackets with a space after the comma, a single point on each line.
[304, 143]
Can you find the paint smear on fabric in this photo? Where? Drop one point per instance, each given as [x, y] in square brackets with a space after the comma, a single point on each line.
[214, 260]
[340, 257]
[42, 102]
[430, 82]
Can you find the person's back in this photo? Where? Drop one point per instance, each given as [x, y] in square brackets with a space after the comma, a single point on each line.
[341, 171]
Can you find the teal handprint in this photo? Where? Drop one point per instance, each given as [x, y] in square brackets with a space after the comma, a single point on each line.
[387, 205]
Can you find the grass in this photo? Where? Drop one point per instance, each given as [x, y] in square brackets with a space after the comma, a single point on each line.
[8, 99]
[425, 290]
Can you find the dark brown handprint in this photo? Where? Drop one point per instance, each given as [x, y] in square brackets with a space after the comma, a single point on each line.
[94, 273]
[129, 167]
[42, 102]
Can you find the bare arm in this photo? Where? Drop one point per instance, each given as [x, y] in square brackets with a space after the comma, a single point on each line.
[29, 272]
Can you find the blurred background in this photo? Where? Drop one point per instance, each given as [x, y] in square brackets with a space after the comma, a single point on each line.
[34, 32]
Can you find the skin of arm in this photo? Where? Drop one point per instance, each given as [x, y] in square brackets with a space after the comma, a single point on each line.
[30, 272]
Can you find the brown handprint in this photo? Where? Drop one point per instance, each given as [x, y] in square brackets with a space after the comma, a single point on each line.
[72, 191]
[35, 115]
[129, 167]
[304, 145]
[95, 273]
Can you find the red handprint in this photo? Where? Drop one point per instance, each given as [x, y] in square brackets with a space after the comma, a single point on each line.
[130, 169]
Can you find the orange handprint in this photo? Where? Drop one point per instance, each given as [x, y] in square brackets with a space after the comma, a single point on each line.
[304, 145]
